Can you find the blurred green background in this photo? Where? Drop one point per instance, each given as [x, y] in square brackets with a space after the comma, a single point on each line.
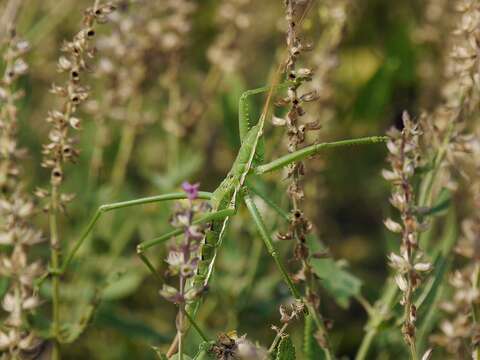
[373, 59]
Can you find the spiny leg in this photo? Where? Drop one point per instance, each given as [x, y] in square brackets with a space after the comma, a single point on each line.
[217, 215]
[269, 244]
[312, 150]
[120, 205]
[257, 218]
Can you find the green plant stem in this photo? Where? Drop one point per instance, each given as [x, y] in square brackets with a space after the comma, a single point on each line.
[413, 351]
[314, 149]
[277, 338]
[123, 156]
[308, 338]
[150, 266]
[196, 327]
[55, 259]
[321, 328]
[377, 318]
[96, 161]
[272, 251]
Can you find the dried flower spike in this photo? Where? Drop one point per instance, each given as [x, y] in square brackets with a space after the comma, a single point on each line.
[404, 153]
[17, 235]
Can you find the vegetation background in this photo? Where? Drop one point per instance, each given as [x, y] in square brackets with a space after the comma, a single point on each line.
[163, 109]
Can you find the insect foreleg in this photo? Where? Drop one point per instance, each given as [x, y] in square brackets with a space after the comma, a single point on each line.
[257, 218]
[312, 150]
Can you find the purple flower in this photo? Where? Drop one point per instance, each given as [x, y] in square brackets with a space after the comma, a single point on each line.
[191, 190]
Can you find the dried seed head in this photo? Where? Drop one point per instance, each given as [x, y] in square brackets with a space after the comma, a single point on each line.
[17, 235]
[393, 226]
[77, 54]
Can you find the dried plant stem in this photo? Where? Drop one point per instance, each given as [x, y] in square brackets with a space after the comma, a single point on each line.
[277, 338]
[60, 148]
[172, 349]
[391, 290]
[322, 329]
[10, 11]
[413, 351]
[180, 320]
[476, 306]
[16, 210]
[55, 260]
[408, 305]
[377, 317]
[55, 255]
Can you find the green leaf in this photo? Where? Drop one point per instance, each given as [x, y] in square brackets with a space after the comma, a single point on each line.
[124, 286]
[286, 350]
[338, 282]
[72, 331]
[311, 349]
[442, 205]
[125, 323]
[375, 95]
[426, 304]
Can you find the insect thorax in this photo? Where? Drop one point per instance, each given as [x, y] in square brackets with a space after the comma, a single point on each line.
[222, 196]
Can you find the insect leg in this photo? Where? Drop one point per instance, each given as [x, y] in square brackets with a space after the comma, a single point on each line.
[243, 115]
[120, 205]
[218, 215]
[257, 218]
[312, 150]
